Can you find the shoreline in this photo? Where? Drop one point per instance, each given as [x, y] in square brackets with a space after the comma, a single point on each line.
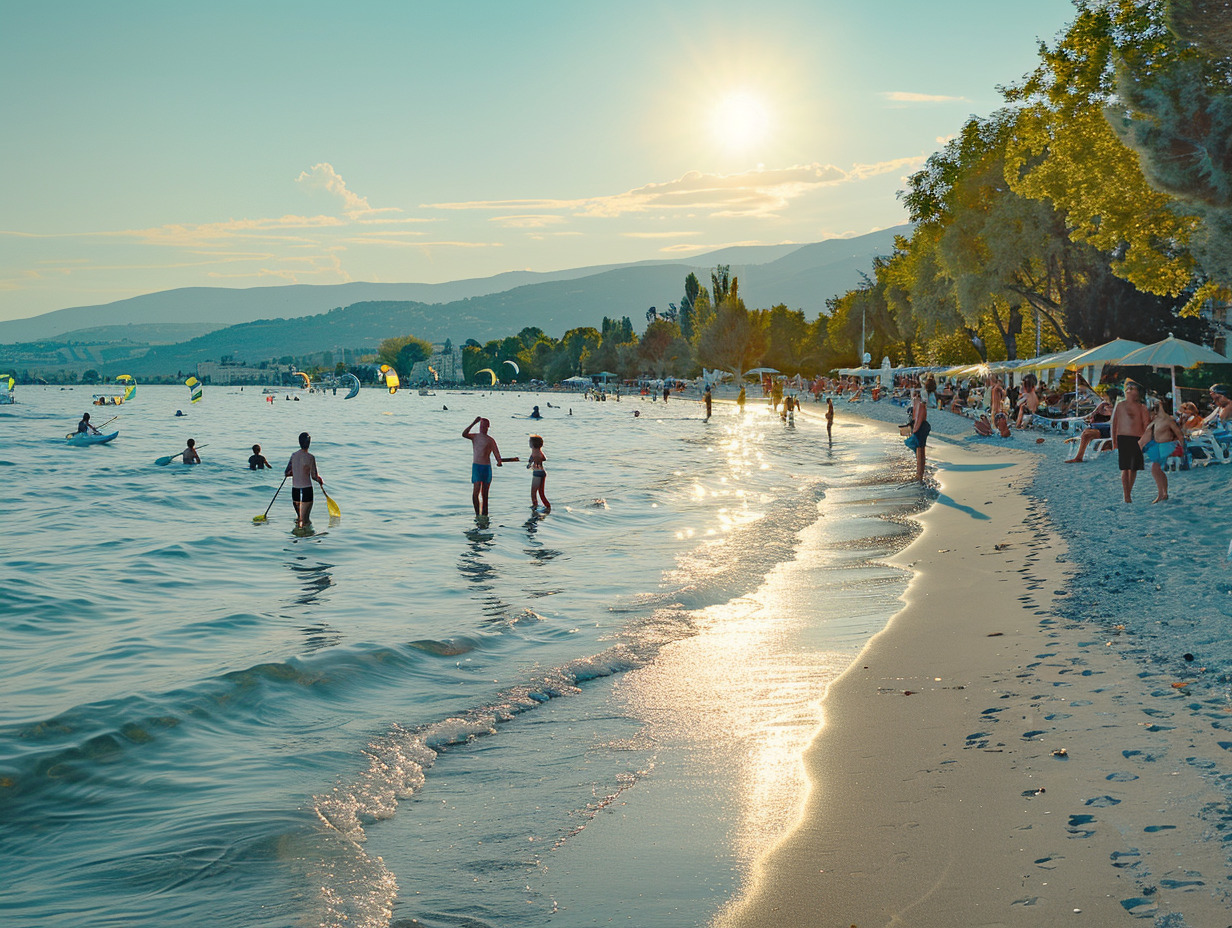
[935, 795]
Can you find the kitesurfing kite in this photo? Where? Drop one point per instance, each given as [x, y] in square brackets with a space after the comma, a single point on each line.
[307, 379]
[354, 386]
[487, 370]
[194, 389]
[391, 378]
[514, 365]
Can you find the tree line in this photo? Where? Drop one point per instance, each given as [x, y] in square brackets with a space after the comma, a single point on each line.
[1096, 204]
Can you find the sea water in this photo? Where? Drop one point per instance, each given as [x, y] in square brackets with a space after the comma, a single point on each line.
[410, 716]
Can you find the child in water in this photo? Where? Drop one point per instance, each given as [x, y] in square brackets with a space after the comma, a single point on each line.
[537, 474]
[256, 460]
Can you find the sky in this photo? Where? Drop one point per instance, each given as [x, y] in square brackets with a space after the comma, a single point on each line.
[153, 145]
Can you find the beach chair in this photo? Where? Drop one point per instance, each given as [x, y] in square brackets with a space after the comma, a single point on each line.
[1205, 449]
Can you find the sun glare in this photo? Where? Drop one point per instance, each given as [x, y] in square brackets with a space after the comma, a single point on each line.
[741, 122]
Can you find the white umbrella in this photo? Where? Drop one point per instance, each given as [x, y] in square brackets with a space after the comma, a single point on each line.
[1172, 353]
[1107, 353]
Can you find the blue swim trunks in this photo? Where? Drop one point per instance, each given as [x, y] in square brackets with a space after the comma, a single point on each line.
[481, 473]
[1159, 453]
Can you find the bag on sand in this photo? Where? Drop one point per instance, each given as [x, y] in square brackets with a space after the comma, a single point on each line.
[911, 441]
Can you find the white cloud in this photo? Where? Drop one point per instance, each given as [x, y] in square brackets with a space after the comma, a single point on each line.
[528, 221]
[323, 177]
[759, 193]
[906, 96]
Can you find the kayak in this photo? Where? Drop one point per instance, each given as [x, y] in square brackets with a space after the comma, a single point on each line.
[86, 438]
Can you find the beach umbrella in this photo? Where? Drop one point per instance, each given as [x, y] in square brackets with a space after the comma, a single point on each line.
[1172, 353]
[1107, 353]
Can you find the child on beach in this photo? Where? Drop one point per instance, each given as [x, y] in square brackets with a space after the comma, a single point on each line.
[538, 476]
[1160, 441]
[1129, 422]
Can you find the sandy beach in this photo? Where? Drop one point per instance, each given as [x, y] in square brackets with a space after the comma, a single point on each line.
[1014, 748]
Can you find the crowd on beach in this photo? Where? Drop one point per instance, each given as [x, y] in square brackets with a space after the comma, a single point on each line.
[1143, 430]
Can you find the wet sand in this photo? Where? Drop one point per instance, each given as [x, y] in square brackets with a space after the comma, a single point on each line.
[985, 762]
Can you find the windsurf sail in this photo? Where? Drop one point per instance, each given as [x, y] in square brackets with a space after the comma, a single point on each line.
[195, 389]
[487, 370]
[130, 387]
[354, 381]
[514, 365]
[391, 378]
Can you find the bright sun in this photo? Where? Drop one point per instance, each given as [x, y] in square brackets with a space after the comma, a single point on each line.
[740, 122]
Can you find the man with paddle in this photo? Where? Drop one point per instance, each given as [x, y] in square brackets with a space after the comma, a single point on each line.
[85, 426]
[302, 469]
[484, 449]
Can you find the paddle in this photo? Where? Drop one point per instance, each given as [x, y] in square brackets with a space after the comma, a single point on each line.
[163, 462]
[334, 511]
[262, 517]
[98, 429]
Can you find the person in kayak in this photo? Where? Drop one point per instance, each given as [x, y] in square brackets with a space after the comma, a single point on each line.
[85, 428]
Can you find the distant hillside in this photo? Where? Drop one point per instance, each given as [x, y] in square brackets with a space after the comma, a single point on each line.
[782, 281]
[151, 333]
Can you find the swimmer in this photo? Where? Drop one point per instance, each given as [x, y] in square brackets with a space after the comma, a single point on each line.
[535, 414]
[257, 461]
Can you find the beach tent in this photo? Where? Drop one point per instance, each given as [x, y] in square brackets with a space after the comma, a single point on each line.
[758, 371]
[606, 376]
[579, 381]
[1172, 353]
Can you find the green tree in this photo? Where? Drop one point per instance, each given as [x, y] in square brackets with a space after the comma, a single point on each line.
[734, 338]
[660, 345]
[90, 376]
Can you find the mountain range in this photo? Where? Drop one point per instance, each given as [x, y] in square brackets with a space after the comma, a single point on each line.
[189, 325]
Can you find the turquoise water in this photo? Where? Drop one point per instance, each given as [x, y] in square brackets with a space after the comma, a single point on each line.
[405, 715]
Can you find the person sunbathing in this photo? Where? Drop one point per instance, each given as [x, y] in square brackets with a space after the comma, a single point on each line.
[1189, 418]
[1099, 425]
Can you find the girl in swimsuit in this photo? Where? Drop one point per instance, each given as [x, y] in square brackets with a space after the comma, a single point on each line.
[538, 476]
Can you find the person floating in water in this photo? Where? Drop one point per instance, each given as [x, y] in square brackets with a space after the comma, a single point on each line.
[535, 413]
[85, 428]
[483, 450]
[538, 476]
[302, 469]
[179, 412]
[708, 400]
[190, 452]
[256, 460]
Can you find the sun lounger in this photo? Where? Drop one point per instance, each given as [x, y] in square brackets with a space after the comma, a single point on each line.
[1205, 449]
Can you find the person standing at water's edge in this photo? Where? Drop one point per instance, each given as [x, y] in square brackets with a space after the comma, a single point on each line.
[302, 469]
[1129, 420]
[483, 448]
[829, 418]
[919, 431]
[741, 398]
[706, 397]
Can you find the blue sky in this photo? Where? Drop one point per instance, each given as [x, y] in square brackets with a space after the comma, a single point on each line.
[155, 145]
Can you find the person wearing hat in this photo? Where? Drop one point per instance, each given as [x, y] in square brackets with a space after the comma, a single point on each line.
[1221, 415]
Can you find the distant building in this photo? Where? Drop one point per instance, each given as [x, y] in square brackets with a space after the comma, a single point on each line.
[229, 372]
[448, 367]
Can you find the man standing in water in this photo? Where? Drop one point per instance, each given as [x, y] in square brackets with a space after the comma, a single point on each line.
[302, 469]
[708, 400]
[483, 448]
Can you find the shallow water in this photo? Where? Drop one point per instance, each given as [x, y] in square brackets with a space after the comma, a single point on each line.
[405, 714]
